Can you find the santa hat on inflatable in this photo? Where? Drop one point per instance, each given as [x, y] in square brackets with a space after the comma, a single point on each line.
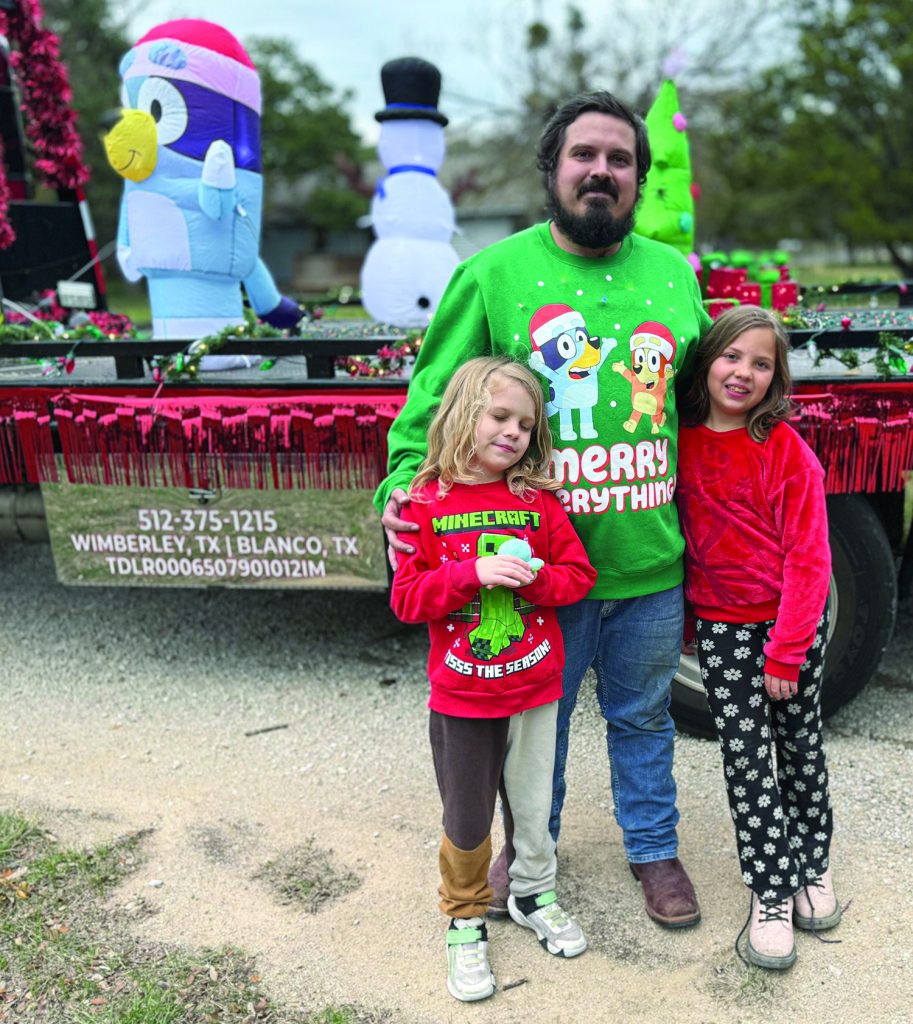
[652, 334]
[197, 51]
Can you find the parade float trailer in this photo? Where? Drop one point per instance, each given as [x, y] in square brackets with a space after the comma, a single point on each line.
[265, 480]
[140, 469]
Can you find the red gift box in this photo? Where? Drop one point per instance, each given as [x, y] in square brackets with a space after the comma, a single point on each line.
[717, 307]
[723, 281]
[748, 293]
[784, 295]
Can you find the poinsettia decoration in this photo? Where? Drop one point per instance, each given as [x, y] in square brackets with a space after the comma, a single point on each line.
[98, 323]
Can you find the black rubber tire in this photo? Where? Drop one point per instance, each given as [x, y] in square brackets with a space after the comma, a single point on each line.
[864, 596]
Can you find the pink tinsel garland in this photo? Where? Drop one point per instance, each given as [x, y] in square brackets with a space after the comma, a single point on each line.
[7, 235]
[50, 121]
[331, 440]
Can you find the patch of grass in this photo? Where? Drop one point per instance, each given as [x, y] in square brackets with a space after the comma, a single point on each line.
[67, 958]
[16, 834]
[841, 273]
[344, 311]
[130, 300]
[305, 875]
[150, 1006]
[98, 871]
[347, 1015]
[734, 982]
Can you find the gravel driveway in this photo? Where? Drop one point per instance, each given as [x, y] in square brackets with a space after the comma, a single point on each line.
[240, 725]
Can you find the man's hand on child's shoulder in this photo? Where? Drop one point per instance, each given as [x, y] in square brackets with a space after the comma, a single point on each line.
[393, 524]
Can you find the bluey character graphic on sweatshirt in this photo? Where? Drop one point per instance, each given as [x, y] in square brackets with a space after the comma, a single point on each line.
[569, 358]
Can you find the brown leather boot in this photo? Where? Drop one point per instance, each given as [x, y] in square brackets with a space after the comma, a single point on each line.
[668, 893]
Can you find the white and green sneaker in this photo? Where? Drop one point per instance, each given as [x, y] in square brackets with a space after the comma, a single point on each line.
[556, 930]
[469, 975]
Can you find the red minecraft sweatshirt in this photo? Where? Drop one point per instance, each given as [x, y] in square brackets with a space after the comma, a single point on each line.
[494, 652]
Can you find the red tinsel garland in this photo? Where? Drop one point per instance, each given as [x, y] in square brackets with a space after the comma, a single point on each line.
[45, 88]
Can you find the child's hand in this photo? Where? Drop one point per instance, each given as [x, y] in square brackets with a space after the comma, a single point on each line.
[779, 689]
[503, 571]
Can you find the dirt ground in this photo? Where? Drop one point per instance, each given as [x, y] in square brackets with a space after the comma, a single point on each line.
[129, 710]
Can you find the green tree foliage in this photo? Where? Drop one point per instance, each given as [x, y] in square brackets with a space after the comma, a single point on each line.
[559, 64]
[305, 124]
[821, 146]
[92, 42]
[305, 130]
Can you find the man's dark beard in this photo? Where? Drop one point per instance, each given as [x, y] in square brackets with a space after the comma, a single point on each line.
[595, 229]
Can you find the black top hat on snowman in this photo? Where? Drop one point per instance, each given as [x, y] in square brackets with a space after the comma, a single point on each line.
[412, 87]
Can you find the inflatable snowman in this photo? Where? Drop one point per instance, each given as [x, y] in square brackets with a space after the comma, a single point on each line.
[411, 260]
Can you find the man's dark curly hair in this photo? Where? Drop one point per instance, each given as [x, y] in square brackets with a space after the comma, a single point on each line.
[602, 102]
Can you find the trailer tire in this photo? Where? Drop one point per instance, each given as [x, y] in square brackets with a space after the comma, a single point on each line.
[864, 598]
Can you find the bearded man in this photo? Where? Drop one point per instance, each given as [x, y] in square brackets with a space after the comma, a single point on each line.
[559, 297]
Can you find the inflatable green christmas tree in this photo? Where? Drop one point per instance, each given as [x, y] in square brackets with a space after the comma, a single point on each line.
[666, 211]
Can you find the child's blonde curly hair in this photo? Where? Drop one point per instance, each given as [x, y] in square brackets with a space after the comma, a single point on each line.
[451, 436]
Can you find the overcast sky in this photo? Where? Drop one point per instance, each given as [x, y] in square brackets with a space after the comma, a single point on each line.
[476, 44]
[349, 40]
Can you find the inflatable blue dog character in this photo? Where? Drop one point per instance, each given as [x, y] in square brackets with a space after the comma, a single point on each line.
[188, 144]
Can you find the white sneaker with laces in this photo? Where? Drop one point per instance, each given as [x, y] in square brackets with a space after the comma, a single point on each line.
[770, 936]
[557, 931]
[816, 906]
[469, 975]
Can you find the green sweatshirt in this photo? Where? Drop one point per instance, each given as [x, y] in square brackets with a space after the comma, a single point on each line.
[607, 337]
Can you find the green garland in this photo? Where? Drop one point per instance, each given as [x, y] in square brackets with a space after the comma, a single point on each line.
[39, 330]
[891, 358]
[793, 318]
[186, 365]
[53, 330]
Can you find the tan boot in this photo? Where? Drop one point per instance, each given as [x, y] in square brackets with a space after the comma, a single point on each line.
[770, 936]
[816, 907]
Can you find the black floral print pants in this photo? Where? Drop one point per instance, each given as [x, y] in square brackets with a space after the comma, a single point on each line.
[773, 757]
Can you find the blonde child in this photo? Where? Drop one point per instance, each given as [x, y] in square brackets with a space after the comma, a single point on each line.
[494, 554]
[757, 573]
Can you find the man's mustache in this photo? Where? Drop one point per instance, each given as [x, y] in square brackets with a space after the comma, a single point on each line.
[604, 185]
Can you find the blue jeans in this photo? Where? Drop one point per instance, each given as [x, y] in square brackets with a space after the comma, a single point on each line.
[634, 645]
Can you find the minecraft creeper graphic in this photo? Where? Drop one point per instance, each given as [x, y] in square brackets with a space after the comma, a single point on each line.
[500, 624]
